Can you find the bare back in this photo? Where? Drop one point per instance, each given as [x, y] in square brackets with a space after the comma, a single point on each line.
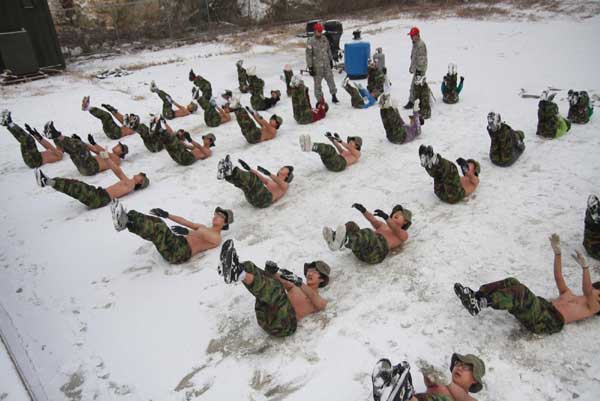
[349, 157]
[203, 239]
[267, 132]
[574, 307]
[121, 188]
[301, 303]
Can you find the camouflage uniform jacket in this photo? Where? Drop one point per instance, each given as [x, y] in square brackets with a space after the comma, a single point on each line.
[318, 54]
[418, 57]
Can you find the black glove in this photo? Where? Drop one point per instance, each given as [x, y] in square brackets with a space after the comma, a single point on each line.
[192, 76]
[264, 171]
[291, 277]
[271, 267]
[249, 110]
[187, 136]
[381, 213]
[464, 166]
[75, 136]
[462, 79]
[359, 207]
[244, 164]
[330, 63]
[91, 139]
[180, 230]
[311, 71]
[109, 108]
[337, 137]
[33, 132]
[159, 212]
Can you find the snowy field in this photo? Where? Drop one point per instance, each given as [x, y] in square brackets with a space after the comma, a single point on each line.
[103, 317]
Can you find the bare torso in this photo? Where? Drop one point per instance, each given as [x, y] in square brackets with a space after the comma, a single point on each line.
[103, 165]
[200, 155]
[469, 184]
[121, 188]
[276, 190]
[301, 303]
[573, 307]
[349, 157]
[452, 391]
[202, 239]
[182, 112]
[267, 133]
[392, 239]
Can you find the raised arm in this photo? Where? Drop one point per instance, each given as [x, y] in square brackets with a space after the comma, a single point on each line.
[278, 180]
[262, 178]
[371, 219]
[397, 230]
[318, 302]
[167, 127]
[586, 281]
[353, 151]
[184, 222]
[558, 276]
[114, 167]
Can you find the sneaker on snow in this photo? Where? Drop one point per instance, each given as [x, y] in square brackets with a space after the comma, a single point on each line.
[119, 215]
[468, 298]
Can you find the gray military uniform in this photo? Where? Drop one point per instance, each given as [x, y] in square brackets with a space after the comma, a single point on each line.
[418, 62]
[318, 56]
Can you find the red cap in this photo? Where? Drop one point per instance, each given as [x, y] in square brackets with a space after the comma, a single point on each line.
[413, 31]
[318, 27]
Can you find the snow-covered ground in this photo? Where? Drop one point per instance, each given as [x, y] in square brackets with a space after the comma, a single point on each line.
[103, 317]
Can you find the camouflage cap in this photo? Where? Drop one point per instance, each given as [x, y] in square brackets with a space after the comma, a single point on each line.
[125, 149]
[357, 140]
[227, 213]
[145, 182]
[322, 267]
[212, 139]
[476, 164]
[406, 213]
[278, 119]
[478, 369]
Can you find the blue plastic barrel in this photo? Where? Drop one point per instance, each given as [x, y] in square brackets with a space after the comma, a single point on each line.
[356, 59]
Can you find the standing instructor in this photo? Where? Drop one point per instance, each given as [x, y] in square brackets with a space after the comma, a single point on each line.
[418, 62]
[319, 63]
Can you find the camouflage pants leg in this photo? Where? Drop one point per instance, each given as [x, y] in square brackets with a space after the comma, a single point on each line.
[152, 142]
[212, 118]
[355, 98]
[446, 181]
[167, 109]
[110, 128]
[330, 157]
[177, 150]
[80, 155]
[274, 312]
[393, 125]
[591, 236]
[174, 248]
[92, 197]
[31, 155]
[535, 313]
[327, 75]
[204, 86]
[423, 93]
[367, 245]
[255, 192]
[242, 79]
[301, 105]
[249, 129]
[288, 74]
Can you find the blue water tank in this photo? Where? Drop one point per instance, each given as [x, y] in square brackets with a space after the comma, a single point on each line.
[356, 58]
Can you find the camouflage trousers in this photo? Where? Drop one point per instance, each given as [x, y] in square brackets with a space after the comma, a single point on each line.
[249, 129]
[366, 244]
[177, 150]
[288, 74]
[167, 109]
[31, 155]
[301, 105]
[274, 311]
[174, 248]
[591, 236]
[423, 93]
[327, 75]
[396, 131]
[152, 141]
[204, 86]
[535, 313]
[255, 192]
[92, 197]
[432, 397]
[330, 157]
[580, 113]
[257, 98]
[450, 91]
[80, 155]
[242, 79]
[212, 118]
[375, 81]
[550, 123]
[446, 181]
[110, 128]
[506, 147]
[356, 99]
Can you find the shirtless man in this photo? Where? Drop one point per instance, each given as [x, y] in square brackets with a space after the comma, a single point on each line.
[447, 184]
[371, 246]
[282, 298]
[265, 131]
[110, 128]
[260, 190]
[181, 152]
[95, 197]
[337, 157]
[86, 157]
[32, 157]
[537, 314]
[394, 383]
[168, 103]
[177, 244]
